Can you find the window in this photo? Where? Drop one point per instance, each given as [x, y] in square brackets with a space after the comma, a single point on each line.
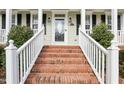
[93, 20]
[87, 22]
[78, 22]
[19, 19]
[35, 21]
[44, 22]
[103, 18]
[3, 21]
[13, 20]
[119, 22]
[28, 20]
[109, 22]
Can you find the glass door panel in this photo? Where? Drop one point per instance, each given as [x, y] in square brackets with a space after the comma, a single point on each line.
[59, 30]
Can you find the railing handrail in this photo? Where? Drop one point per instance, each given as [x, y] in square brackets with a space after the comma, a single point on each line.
[30, 40]
[97, 44]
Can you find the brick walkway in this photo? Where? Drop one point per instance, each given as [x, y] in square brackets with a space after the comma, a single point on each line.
[61, 65]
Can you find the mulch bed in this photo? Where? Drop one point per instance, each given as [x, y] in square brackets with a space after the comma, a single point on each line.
[2, 76]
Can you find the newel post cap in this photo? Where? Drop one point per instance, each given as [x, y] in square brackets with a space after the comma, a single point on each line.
[11, 46]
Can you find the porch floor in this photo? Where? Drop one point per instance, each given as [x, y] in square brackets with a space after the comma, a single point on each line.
[61, 65]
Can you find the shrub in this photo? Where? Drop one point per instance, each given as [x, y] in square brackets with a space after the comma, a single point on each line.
[101, 34]
[121, 63]
[2, 56]
[20, 34]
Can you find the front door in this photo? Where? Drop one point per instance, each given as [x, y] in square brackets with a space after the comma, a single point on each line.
[60, 31]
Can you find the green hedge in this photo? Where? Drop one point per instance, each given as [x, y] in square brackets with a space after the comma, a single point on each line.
[101, 34]
[20, 34]
[2, 56]
[121, 63]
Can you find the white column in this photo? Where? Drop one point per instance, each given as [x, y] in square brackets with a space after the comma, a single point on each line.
[12, 72]
[114, 23]
[40, 14]
[90, 22]
[0, 21]
[83, 20]
[106, 17]
[31, 18]
[8, 21]
[123, 22]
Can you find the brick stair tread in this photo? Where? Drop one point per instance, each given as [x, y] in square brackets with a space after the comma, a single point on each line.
[61, 60]
[62, 50]
[62, 68]
[65, 47]
[65, 78]
[65, 55]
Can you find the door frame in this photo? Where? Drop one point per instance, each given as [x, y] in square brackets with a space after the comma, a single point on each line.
[66, 26]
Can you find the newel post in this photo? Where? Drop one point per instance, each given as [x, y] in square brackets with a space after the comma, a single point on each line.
[112, 64]
[12, 73]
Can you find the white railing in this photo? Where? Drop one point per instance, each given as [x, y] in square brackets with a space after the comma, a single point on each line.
[99, 58]
[121, 37]
[2, 35]
[24, 57]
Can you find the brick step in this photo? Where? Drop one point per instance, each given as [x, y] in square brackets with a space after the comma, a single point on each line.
[61, 68]
[61, 65]
[41, 60]
[65, 55]
[64, 78]
[62, 50]
[61, 47]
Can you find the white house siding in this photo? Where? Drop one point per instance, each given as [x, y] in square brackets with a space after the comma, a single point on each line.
[23, 19]
[48, 36]
[72, 37]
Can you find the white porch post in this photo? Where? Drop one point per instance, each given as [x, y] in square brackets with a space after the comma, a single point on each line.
[12, 73]
[90, 22]
[40, 12]
[8, 21]
[113, 54]
[123, 22]
[0, 22]
[31, 15]
[106, 17]
[114, 23]
[83, 20]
